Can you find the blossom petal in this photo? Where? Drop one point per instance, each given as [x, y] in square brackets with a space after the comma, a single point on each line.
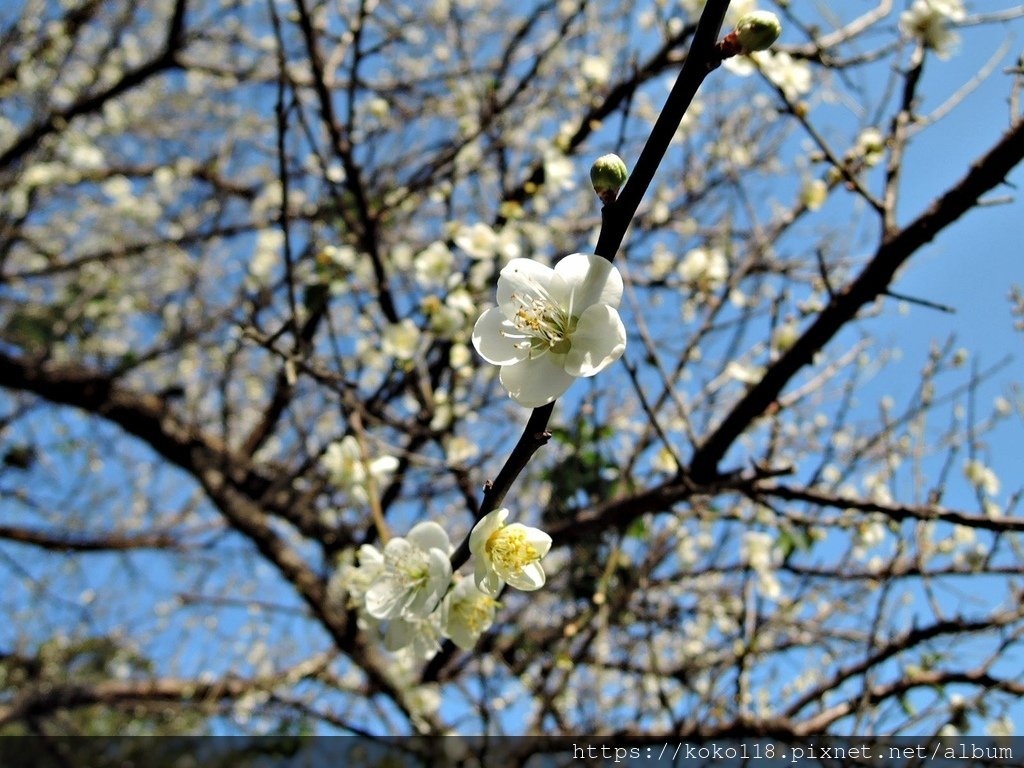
[426, 598]
[462, 636]
[482, 531]
[525, 278]
[387, 598]
[370, 558]
[487, 581]
[536, 538]
[528, 578]
[593, 280]
[429, 535]
[599, 340]
[383, 466]
[537, 381]
[399, 634]
[466, 614]
[491, 342]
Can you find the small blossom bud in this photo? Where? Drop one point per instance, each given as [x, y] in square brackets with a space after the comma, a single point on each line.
[608, 174]
[757, 31]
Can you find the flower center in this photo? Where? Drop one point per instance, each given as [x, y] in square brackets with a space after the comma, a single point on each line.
[475, 613]
[510, 551]
[542, 324]
[413, 569]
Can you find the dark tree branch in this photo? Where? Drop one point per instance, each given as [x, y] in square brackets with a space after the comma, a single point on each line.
[112, 542]
[700, 61]
[987, 173]
[892, 511]
[227, 478]
[164, 60]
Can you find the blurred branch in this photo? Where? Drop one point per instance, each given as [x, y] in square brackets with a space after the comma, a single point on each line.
[91, 543]
[890, 510]
[166, 59]
[986, 173]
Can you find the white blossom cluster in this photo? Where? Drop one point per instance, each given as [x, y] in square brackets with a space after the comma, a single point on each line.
[409, 593]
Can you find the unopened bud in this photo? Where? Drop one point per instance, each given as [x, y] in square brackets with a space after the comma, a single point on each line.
[757, 31]
[608, 174]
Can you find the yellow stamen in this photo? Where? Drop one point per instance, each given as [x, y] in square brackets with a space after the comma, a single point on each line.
[510, 551]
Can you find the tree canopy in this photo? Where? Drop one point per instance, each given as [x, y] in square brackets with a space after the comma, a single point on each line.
[246, 432]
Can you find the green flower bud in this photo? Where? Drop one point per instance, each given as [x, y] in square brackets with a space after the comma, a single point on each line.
[608, 174]
[758, 30]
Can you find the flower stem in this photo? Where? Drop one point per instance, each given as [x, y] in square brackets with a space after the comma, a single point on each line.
[703, 58]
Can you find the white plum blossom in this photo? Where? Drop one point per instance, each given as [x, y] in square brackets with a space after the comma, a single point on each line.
[552, 326]
[597, 70]
[350, 582]
[559, 171]
[507, 554]
[346, 468]
[814, 193]
[869, 147]
[420, 637]
[433, 265]
[466, 613]
[758, 552]
[928, 21]
[479, 241]
[791, 76]
[704, 268]
[459, 450]
[401, 339]
[414, 576]
[981, 477]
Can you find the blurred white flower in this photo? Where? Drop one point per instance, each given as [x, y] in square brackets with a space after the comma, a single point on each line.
[870, 147]
[507, 554]
[414, 576]
[814, 193]
[928, 21]
[785, 336]
[420, 637]
[433, 265]
[552, 325]
[596, 69]
[758, 553]
[459, 450]
[466, 613]
[981, 477]
[479, 241]
[792, 76]
[401, 340]
[348, 471]
[704, 268]
[349, 583]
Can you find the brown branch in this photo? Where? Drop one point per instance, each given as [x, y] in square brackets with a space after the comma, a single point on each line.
[342, 147]
[930, 679]
[164, 60]
[895, 248]
[701, 60]
[89, 543]
[896, 646]
[228, 479]
[893, 511]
